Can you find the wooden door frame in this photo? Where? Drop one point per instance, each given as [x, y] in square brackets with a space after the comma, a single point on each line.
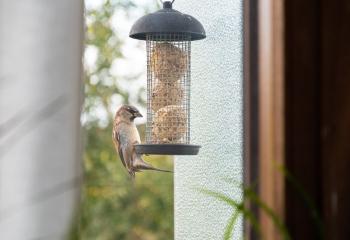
[296, 85]
[264, 106]
[271, 106]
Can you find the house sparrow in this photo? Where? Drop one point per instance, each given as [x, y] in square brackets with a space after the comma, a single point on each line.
[125, 135]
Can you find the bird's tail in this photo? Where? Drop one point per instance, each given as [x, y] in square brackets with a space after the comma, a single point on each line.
[140, 164]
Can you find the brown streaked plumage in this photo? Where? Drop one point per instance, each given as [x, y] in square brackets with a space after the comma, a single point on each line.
[125, 136]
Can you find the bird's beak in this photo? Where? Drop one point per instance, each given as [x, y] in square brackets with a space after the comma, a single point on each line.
[138, 114]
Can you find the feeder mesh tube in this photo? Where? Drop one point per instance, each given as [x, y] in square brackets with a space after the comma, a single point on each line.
[168, 88]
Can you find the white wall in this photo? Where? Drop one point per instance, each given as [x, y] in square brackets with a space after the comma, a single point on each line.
[216, 121]
[40, 98]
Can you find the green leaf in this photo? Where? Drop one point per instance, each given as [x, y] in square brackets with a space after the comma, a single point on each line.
[249, 193]
[239, 206]
[230, 225]
[314, 213]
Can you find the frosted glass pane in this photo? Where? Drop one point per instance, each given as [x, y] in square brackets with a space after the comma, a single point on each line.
[216, 122]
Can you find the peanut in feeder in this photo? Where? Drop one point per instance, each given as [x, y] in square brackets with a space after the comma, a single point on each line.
[169, 124]
[168, 62]
[166, 94]
[168, 35]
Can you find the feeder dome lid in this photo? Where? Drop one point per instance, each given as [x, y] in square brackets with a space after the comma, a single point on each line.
[167, 20]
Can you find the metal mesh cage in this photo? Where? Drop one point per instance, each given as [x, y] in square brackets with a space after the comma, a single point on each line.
[168, 88]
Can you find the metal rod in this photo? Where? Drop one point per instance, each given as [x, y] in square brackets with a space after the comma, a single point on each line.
[167, 1]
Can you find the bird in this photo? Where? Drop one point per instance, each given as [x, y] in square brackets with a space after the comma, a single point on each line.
[125, 135]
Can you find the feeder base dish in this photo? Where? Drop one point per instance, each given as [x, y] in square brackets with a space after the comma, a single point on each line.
[167, 149]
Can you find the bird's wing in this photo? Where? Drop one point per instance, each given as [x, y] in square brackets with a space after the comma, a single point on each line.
[118, 146]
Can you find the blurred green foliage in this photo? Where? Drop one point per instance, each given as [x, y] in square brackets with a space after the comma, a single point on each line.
[112, 206]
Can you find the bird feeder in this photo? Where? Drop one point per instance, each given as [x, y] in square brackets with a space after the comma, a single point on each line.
[168, 35]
